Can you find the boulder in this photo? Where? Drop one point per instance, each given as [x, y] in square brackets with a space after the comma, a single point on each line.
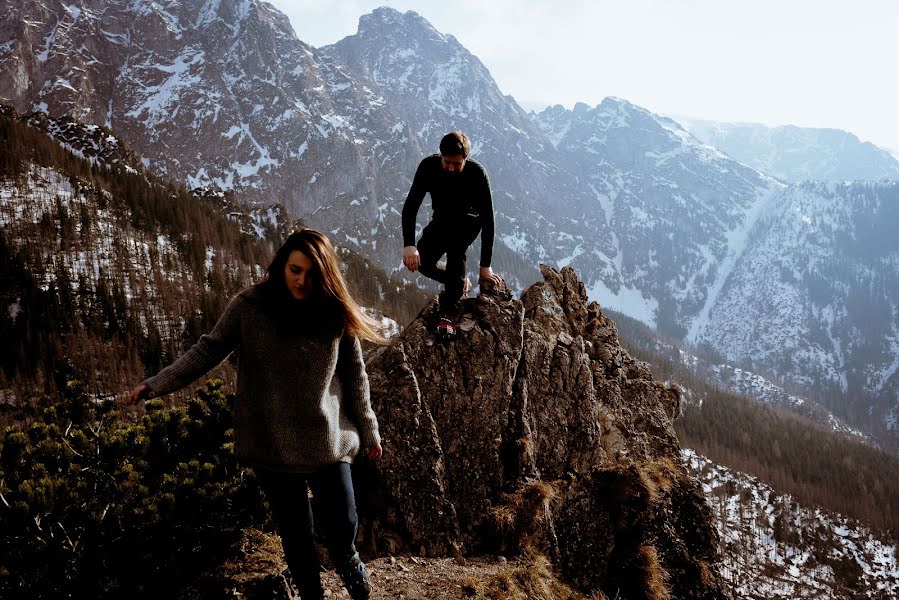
[534, 430]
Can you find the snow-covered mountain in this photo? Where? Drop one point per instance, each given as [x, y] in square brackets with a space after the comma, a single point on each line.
[217, 93]
[813, 297]
[715, 370]
[676, 213]
[435, 85]
[775, 548]
[796, 154]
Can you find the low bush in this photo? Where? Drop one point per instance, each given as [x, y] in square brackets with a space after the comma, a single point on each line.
[94, 506]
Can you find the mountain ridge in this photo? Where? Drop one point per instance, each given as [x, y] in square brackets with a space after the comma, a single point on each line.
[795, 154]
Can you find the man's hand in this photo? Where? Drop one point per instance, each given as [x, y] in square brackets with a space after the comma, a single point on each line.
[141, 392]
[411, 258]
[374, 451]
[487, 274]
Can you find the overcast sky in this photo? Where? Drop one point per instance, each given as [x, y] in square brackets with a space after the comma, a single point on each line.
[821, 63]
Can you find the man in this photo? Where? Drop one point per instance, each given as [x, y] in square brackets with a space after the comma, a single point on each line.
[463, 208]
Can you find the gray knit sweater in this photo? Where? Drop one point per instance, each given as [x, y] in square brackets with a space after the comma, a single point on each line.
[302, 394]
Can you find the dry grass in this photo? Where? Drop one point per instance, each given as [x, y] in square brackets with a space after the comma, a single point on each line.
[658, 477]
[705, 573]
[503, 518]
[259, 553]
[531, 580]
[517, 519]
[655, 577]
[538, 494]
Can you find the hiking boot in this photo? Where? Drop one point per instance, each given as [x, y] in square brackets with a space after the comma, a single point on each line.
[355, 577]
[446, 329]
[309, 590]
[312, 590]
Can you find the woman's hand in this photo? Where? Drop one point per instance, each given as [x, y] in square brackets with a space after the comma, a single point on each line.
[141, 392]
[374, 451]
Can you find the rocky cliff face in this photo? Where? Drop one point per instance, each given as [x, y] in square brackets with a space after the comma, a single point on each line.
[534, 429]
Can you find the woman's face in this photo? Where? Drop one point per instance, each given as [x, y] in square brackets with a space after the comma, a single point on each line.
[298, 276]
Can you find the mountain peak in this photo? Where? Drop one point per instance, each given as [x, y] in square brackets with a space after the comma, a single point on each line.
[375, 22]
[614, 103]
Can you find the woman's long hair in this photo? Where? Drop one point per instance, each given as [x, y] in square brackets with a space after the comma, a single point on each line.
[327, 278]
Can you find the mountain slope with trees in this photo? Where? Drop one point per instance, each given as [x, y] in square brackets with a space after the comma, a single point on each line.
[111, 271]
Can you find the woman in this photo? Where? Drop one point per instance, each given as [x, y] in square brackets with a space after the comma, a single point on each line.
[302, 410]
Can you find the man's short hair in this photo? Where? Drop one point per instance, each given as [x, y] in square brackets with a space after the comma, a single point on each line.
[455, 143]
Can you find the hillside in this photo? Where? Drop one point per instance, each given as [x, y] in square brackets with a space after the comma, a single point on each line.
[743, 421]
[774, 547]
[113, 271]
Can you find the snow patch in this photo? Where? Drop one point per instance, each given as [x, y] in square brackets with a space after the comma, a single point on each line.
[736, 244]
[627, 300]
[156, 106]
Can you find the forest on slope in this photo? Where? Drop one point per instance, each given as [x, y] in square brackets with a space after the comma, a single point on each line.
[110, 272]
[782, 448]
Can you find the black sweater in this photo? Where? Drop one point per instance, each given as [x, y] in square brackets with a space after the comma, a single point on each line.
[457, 198]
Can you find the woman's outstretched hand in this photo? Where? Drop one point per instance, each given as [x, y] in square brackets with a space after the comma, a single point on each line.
[374, 451]
[141, 392]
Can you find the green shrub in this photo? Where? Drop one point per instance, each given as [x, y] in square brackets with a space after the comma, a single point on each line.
[98, 507]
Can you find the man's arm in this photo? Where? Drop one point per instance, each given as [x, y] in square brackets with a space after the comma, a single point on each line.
[487, 232]
[486, 224]
[413, 202]
[410, 211]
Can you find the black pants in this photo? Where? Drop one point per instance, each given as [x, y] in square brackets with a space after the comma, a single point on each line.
[452, 239]
[336, 522]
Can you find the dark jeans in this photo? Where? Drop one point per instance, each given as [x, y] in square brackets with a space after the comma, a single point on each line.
[336, 523]
[453, 240]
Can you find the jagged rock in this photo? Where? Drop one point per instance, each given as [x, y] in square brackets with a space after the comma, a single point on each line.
[534, 428]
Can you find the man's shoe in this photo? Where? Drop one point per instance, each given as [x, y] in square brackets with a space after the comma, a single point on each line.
[446, 329]
[355, 577]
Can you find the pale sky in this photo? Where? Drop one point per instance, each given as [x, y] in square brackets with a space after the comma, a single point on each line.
[821, 63]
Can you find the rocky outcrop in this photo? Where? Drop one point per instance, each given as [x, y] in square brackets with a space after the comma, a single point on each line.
[534, 429]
